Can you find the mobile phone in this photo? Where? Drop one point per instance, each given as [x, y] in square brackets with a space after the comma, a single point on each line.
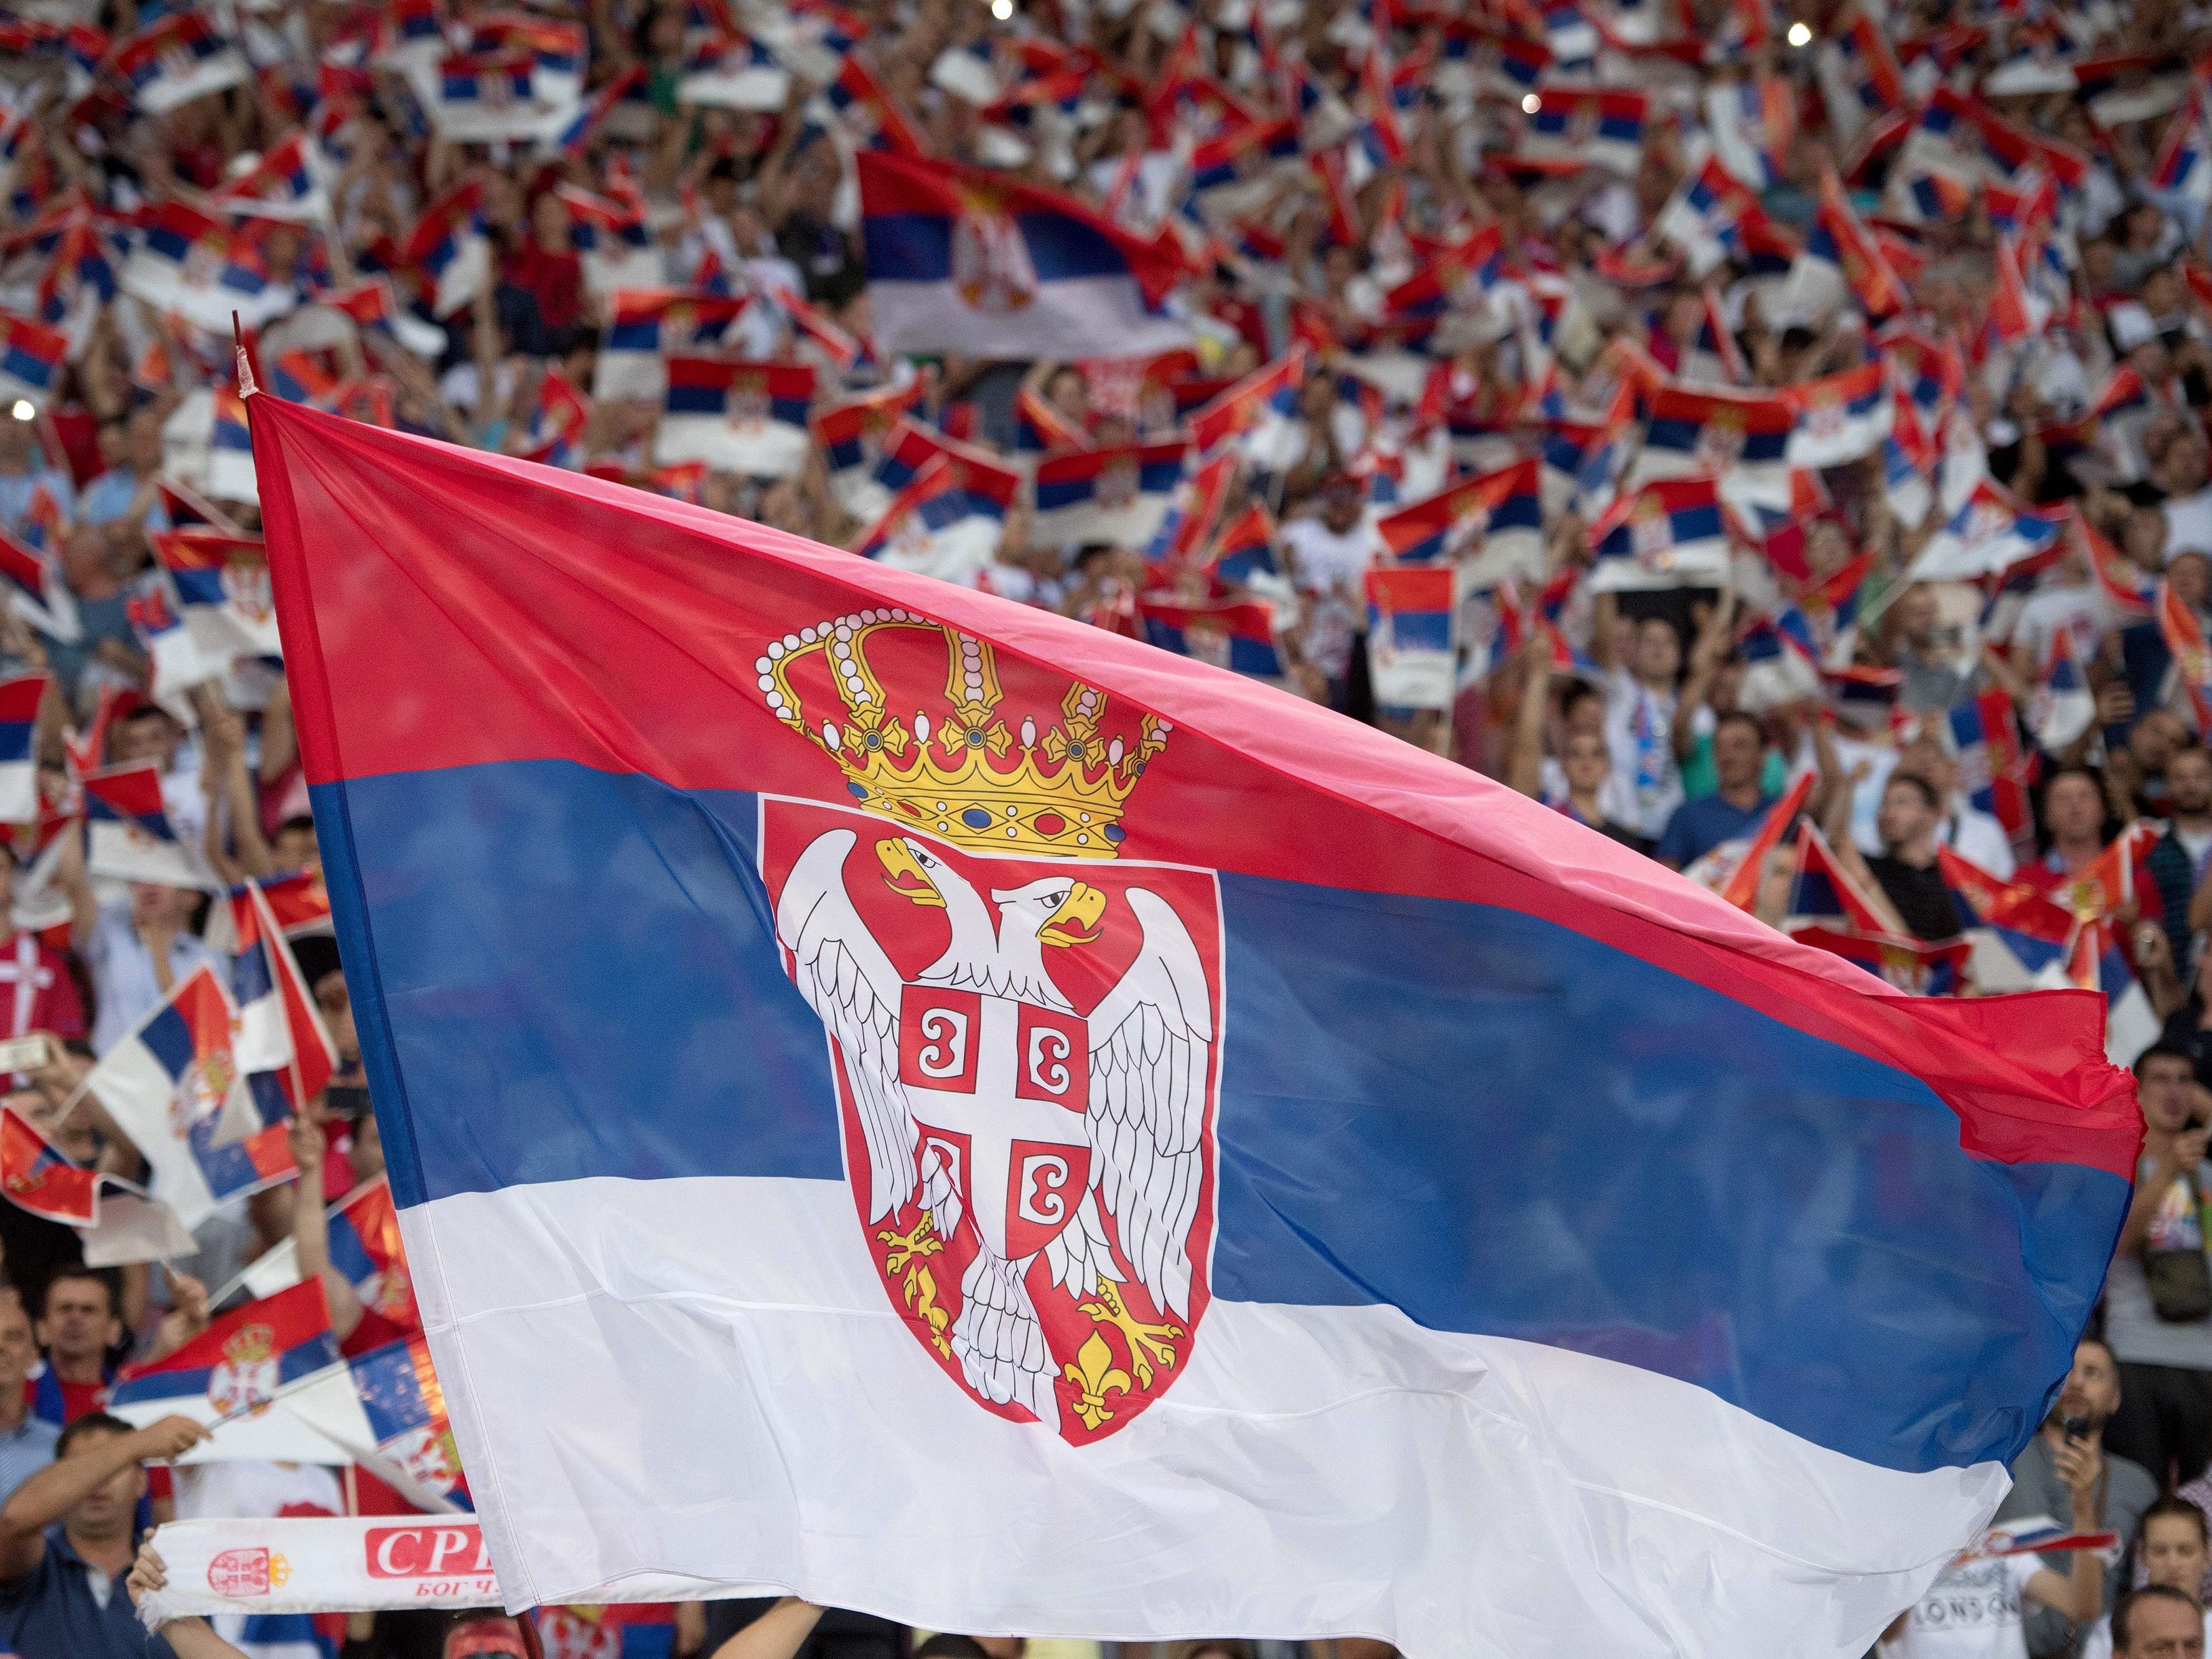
[346, 1100]
[2073, 1428]
[25, 1053]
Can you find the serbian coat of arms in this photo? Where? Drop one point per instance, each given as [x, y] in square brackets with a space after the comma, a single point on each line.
[247, 1377]
[1023, 1023]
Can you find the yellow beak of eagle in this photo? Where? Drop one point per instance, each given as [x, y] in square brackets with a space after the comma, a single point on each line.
[903, 874]
[1076, 921]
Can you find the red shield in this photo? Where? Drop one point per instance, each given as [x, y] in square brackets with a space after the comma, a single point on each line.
[1003, 1076]
[239, 1572]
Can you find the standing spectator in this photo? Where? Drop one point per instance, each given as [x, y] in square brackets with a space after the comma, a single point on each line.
[1732, 810]
[27, 1440]
[38, 991]
[78, 1327]
[2178, 858]
[2044, 1482]
[23, 474]
[808, 233]
[1581, 783]
[542, 282]
[105, 652]
[1926, 652]
[2174, 1549]
[139, 948]
[1329, 554]
[73, 1526]
[2074, 814]
[125, 499]
[1975, 1608]
[1974, 835]
[1905, 873]
[2158, 1622]
[2158, 1292]
[1639, 712]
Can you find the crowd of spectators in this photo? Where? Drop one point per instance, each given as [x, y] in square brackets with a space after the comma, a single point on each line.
[1909, 303]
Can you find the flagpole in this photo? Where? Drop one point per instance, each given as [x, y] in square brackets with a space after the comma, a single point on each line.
[84, 1082]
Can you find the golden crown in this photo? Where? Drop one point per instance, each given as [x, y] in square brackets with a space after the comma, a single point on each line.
[1061, 793]
[255, 1342]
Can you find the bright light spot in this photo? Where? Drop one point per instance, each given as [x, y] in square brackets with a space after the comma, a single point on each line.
[1002, 9]
[22, 410]
[1530, 104]
[1800, 35]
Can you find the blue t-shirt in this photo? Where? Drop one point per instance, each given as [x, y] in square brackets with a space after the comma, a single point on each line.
[1699, 826]
[55, 1611]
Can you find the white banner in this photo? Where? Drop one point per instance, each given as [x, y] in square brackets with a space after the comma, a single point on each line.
[338, 1564]
[319, 1564]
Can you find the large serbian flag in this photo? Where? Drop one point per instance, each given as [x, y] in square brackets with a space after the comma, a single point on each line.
[965, 260]
[975, 1066]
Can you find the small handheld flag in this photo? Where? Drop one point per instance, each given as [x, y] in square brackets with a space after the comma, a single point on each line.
[116, 1219]
[231, 1376]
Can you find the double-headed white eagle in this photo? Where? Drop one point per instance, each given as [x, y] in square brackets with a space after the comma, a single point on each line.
[1150, 1043]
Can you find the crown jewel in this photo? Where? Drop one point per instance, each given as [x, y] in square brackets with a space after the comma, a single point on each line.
[966, 777]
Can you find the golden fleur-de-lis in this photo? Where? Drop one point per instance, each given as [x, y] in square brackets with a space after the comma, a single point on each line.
[1148, 1344]
[1096, 1377]
[887, 728]
[954, 736]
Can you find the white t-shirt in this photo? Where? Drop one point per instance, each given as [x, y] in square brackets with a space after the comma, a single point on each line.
[247, 1487]
[1014, 581]
[1330, 571]
[2098, 1644]
[2188, 524]
[2046, 610]
[1979, 839]
[1880, 760]
[1639, 734]
[1970, 1611]
[1152, 186]
[2196, 844]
